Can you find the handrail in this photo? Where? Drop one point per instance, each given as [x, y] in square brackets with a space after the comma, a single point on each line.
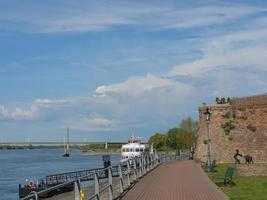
[135, 168]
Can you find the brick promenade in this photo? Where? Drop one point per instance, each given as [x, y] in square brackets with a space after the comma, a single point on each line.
[176, 180]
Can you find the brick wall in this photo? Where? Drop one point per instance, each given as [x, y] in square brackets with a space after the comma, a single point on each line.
[249, 102]
[248, 131]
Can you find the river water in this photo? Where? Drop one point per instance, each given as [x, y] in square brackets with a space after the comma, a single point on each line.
[18, 165]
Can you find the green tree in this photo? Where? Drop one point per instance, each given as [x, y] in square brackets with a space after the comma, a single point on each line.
[217, 100]
[178, 138]
[158, 140]
[189, 125]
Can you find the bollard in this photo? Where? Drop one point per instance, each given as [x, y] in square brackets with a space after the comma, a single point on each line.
[128, 173]
[135, 177]
[152, 161]
[106, 163]
[35, 196]
[141, 166]
[77, 188]
[121, 179]
[96, 187]
[147, 163]
[144, 165]
[110, 183]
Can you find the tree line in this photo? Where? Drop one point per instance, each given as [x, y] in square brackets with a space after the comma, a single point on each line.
[101, 147]
[181, 137]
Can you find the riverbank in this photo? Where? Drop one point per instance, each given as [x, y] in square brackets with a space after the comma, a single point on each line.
[14, 147]
[92, 153]
[101, 149]
[72, 148]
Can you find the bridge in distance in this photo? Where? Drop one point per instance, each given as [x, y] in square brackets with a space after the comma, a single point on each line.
[78, 143]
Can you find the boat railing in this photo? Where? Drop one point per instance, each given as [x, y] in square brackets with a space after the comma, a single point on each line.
[118, 179]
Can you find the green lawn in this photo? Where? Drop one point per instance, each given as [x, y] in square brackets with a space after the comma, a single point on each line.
[244, 188]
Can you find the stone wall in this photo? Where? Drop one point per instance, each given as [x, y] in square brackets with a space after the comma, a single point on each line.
[249, 102]
[238, 125]
[258, 169]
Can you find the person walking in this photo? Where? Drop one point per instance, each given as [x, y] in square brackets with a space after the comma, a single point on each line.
[237, 161]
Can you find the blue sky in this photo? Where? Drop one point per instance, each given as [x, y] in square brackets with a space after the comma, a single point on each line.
[110, 68]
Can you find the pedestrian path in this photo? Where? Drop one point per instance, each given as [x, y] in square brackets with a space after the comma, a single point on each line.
[176, 180]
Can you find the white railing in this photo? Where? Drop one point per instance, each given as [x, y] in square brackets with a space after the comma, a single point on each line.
[123, 175]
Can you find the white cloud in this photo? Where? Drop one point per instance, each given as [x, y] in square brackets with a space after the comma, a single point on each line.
[18, 113]
[239, 50]
[135, 86]
[100, 15]
[74, 17]
[3, 112]
[206, 15]
[140, 101]
[47, 102]
[92, 124]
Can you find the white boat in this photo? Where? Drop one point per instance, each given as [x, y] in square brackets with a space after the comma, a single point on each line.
[133, 148]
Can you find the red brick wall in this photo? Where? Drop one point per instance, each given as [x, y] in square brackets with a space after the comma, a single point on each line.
[250, 102]
[223, 145]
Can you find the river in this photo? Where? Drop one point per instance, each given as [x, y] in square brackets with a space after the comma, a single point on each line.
[18, 165]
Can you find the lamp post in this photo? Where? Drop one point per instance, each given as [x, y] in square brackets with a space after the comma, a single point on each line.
[207, 119]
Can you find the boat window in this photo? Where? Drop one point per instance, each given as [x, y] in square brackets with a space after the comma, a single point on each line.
[141, 150]
[127, 149]
[131, 150]
[137, 149]
[123, 150]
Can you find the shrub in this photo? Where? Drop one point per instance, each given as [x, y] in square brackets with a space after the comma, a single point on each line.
[234, 116]
[244, 117]
[227, 127]
[227, 115]
[252, 111]
[251, 128]
[242, 109]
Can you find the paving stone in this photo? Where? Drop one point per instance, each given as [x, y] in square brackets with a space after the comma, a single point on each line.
[179, 180]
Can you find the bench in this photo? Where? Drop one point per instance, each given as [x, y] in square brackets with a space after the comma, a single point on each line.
[227, 179]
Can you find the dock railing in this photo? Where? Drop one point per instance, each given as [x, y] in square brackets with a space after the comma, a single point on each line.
[123, 176]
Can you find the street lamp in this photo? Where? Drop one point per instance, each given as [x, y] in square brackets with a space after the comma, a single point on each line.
[207, 119]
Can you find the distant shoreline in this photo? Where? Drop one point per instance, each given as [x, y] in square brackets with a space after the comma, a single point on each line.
[91, 152]
[34, 147]
[101, 153]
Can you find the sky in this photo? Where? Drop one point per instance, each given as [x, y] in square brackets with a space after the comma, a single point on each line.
[108, 69]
